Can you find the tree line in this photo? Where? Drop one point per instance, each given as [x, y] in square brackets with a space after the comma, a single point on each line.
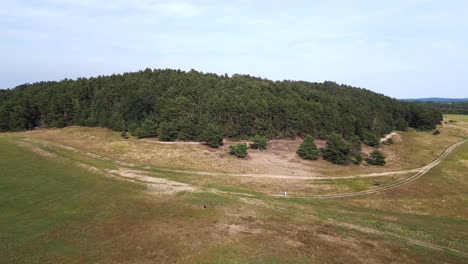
[175, 104]
[450, 108]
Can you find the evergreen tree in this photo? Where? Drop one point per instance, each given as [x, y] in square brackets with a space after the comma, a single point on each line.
[259, 142]
[356, 149]
[338, 151]
[212, 136]
[308, 150]
[147, 129]
[376, 158]
[239, 150]
[167, 131]
[371, 139]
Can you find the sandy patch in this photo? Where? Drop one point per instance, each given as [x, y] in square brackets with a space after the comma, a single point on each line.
[35, 149]
[155, 184]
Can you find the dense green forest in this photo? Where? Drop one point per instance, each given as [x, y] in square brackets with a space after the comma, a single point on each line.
[182, 105]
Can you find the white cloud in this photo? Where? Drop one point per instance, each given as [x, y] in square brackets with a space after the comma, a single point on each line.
[169, 8]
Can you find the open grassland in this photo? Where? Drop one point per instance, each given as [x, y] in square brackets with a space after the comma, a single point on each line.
[53, 210]
[58, 205]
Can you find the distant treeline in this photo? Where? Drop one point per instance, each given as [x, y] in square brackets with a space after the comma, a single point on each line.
[184, 104]
[452, 108]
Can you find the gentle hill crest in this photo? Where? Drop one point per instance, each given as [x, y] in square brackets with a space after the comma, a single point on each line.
[174, 104]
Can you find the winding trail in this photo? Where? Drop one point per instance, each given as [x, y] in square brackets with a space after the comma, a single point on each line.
[423, 171]
[368, 230]
[419, 172]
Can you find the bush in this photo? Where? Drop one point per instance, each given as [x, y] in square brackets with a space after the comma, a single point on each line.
[371, 139]
[147, 129]
[357, 158]
[213, 136]
[239, 150]
[376, 158]
[338, 151]
[259, 142]
[124, 135]
[308, 150]
[389, 141]
[167, 131]
[436, 132]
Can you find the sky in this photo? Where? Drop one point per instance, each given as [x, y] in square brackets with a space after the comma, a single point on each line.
[401, 48]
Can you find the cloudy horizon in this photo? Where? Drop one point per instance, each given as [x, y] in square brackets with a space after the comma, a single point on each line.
[404, 49]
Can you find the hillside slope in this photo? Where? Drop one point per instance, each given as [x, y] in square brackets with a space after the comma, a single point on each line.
[184, 104]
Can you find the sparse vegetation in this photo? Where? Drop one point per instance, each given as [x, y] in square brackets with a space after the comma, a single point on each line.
[308, 150]
[124, 135]
[238, 150]
[436, 132]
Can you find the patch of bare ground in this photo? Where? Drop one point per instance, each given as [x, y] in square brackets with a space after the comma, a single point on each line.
[158, 185]
[35, 149]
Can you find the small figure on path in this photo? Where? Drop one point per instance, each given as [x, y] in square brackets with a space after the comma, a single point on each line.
[204, 206]
[285, 194]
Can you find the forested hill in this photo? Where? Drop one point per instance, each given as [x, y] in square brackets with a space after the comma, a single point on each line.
[183, 104]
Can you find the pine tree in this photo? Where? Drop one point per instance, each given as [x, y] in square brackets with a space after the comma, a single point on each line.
[338, 151]
[212, 136]
[308, 150]
[376, 158]
[259, 142]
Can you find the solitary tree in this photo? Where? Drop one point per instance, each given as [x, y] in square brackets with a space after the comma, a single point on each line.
[338, 151]
[308, 150]
[259, 142]
[239, 150]
[376, 158]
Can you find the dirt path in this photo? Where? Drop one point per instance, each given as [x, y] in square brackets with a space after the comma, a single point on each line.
[137, 176]
[271, 176]
[423, 171]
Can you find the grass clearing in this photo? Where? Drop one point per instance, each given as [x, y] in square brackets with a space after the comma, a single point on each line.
[53, 211]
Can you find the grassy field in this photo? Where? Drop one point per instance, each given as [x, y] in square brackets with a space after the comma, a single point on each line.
[60, 206]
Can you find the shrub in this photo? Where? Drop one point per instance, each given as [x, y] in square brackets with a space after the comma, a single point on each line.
[124, 135]
[338, 151]
[436, 132]
[239, 150]
[376, 158]
[212, 136]
[357, 158]
[259, 142]
[308, 150]
[167, 131]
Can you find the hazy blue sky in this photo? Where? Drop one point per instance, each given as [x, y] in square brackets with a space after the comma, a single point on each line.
[402, 48]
